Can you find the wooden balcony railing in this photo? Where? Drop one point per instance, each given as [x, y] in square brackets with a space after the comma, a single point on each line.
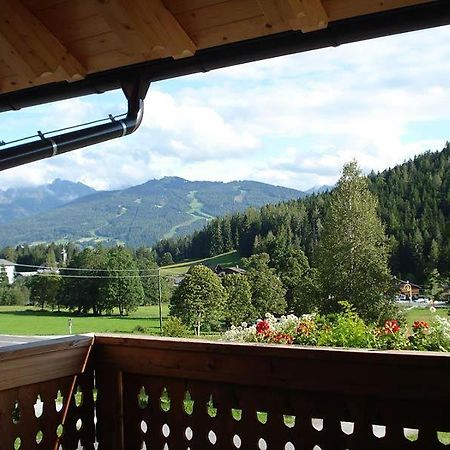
[46, 399]
[131, 393]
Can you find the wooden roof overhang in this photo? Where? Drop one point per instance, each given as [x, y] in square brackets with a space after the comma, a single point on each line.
[57, 49]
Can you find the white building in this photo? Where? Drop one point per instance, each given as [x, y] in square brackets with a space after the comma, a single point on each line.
[9, 268]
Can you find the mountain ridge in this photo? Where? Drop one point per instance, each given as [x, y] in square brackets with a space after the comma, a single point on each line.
[22, 202]
[142, 214]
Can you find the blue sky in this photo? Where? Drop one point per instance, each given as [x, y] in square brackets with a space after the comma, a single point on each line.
[292, 121]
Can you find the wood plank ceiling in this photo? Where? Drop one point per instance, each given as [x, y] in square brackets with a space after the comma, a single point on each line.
[42, 41]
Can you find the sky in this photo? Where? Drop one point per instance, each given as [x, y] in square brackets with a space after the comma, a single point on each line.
[291, 121]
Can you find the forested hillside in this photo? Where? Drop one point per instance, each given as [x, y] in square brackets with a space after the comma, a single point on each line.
[414, 204]
[142, 215]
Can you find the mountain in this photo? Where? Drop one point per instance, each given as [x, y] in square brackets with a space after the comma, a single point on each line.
[414, 205]
[142, 215]
[319, 189]
[19, 203]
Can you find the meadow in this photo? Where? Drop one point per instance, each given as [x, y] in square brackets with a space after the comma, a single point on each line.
[26, 321]
[225, 260]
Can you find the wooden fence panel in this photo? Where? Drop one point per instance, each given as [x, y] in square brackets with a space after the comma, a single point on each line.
[196, 395]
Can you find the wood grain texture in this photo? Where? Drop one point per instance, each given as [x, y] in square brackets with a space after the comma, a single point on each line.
[273, 395]
[42, 361]
[126, 392]
[57, 40]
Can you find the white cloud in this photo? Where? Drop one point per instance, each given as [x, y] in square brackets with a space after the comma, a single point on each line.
[292, 121]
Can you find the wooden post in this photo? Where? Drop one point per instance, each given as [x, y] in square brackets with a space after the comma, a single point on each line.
[109, 409]
[160, 302]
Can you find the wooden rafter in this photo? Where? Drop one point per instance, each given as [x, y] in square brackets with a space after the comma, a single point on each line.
[31, 49]
[304, 15]
[147, 27]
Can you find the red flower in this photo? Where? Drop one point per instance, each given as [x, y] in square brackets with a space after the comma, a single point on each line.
[262, 327]
[420, 325]
[391, 327]
[283, 338]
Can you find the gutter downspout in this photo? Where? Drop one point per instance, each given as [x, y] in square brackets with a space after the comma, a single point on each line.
[47, 147]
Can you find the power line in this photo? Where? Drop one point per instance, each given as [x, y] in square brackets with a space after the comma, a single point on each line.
[88, 277]
[82, 268]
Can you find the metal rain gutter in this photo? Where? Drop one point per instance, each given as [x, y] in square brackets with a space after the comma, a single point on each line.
[47, 147]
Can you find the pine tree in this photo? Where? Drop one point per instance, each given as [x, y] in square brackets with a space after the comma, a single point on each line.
[353, 252]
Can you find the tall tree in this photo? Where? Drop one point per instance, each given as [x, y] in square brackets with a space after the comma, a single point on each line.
[123, 289]
[44, 290]
[299, 279]
[151, 278]
[239, 306]
[5, 298]
[85, 293]
[353, 252]
[267, 289]
[199, 300]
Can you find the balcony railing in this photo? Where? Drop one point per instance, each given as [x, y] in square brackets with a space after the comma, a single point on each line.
[117, 393]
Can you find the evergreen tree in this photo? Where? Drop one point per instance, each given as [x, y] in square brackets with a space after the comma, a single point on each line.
[216, 241]
[5, 297]
[199, 300]
[239, 306]
[166, 259]
[436, 285]
[353, 255]
[267, 289]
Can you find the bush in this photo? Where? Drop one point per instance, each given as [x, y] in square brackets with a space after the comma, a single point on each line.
[174, 327]
[346, 329]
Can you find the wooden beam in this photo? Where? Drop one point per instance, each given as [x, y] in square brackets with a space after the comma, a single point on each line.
[128, 29]
[316, 16]
[304, 15]
[32, 50]
[147, 27]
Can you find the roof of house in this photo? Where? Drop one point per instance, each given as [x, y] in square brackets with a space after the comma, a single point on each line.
[55, 49]
[403, 283]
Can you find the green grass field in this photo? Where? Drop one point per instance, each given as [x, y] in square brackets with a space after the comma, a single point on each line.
[424, 314]
[226, 260]
[32, 321]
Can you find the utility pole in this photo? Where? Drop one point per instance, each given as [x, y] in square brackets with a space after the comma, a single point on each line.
[160, 302]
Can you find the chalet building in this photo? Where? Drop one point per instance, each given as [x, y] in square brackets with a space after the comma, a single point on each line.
[221, 271]
[409, 289]
[10, 269]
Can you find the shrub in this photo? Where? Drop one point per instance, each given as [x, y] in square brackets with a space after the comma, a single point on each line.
[346, 329]
[174, 327]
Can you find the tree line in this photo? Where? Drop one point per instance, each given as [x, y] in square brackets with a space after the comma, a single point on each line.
[351, 264]
[413, 203]
[98, 279]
